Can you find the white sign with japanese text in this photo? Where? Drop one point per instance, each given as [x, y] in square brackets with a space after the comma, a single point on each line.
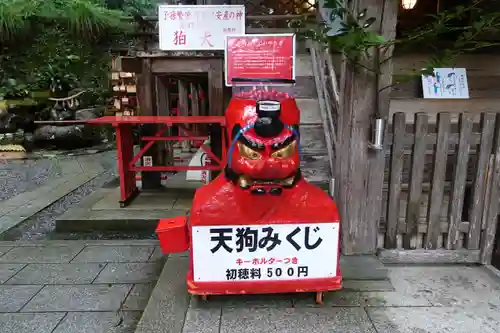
[265, 252]
[447, 83]
[198, 27]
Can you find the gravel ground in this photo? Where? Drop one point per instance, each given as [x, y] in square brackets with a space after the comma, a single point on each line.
[18, 176]
[41, 226]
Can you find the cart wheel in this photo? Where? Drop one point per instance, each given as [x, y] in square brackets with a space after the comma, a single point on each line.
[204, 298]
[319, 298]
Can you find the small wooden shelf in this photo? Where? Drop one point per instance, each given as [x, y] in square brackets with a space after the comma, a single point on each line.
[124, 87]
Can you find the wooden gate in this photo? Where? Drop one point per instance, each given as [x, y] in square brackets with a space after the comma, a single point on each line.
[442, 186]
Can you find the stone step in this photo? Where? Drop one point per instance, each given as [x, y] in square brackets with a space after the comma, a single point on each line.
[312, 139]
[303, 65]
[363, 267]
[315, 168]
[309, 111]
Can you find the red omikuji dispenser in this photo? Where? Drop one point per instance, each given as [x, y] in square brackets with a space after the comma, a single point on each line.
[259, 227]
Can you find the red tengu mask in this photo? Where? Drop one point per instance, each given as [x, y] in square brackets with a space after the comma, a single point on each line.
[264, 138]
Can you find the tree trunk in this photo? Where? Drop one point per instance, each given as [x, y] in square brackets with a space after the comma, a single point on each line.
[361, 169]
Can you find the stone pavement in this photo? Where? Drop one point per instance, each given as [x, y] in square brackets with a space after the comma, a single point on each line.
[415, 299]
[35, 192]
[76, 286]
[110, 287]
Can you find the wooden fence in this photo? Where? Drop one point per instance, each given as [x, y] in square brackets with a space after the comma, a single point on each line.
[328, 99]
[441, 189]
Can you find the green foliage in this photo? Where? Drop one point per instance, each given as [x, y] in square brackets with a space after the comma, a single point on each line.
[82, 18]
[54, 44]
[141, 7]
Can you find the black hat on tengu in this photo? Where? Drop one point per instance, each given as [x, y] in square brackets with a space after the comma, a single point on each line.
[268, 122]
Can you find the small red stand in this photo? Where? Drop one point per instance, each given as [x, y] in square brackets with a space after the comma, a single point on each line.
[125, 146]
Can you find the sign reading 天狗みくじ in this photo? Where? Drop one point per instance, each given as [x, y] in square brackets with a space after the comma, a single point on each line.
[199, 27]
[265, 252]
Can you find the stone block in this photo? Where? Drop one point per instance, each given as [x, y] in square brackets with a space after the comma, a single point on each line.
[334, 298]
[43, 198]
[183, 204]
[435, 319]
[448, 285]
[303, 65]
[30, 322]
[4, 249]
[99, 322]
[57, 274]
[309, 112]
[395, 298]
[305, 87]
[79, 298]
[202, 320]
[367, 285]
[93, 254]
[169, 300]
[146, 201]
[26, 197]
[41, 254]
[157, 255]
[244, 301]
[347, 298]
[9, 270]
[13, 298]
[130, 273]
[138, 297]
[362, 267]
[324, 320]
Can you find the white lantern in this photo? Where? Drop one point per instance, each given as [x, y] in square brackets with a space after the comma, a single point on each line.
[408, 4]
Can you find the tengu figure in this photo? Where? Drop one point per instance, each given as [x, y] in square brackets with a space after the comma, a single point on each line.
[262, 182]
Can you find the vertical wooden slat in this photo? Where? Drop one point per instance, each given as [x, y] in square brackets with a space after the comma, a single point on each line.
[459, 178]
[396, 171]
[183, 98]
[195, 100]
[163, 101]
[203, 102]
[216, 88]
[318, 67]
[488, 239]
[487, 131]
[487, 191]
[195, 105]
[388, 11]
[438, 178]
[146, 95]
[183, 110]
[416, 178]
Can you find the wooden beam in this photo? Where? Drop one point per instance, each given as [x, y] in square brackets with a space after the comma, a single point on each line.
[216, 88]
[169, 65]
[429, 106]
[131, 64]
[360, 170]
[146, 93]
[429, 256]
[492, 205]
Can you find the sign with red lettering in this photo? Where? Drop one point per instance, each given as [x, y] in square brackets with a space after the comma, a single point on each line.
[250, 59]
[198, 27]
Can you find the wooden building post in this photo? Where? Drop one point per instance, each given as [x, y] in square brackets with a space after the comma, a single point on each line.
[360, 169]
[146, 94]
[165, 148]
